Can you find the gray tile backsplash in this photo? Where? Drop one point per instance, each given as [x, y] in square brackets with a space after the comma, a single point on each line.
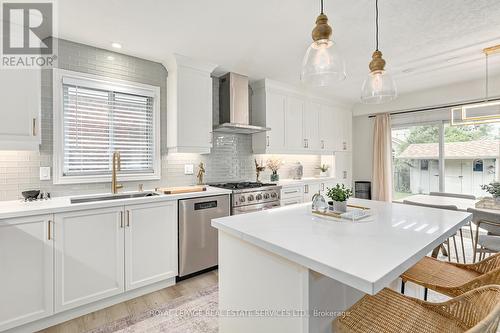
[231, 158]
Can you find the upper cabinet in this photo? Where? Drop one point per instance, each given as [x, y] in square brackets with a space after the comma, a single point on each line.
[300, 123]
[189, 105]
[20, 112]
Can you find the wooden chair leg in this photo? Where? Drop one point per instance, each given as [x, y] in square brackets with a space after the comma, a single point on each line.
[463, 246]
[435, 252]
[449, 252]
[456, 248]
[474, 242]
[443, 249]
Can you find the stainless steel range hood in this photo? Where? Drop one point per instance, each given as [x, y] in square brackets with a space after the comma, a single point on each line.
[234, 111]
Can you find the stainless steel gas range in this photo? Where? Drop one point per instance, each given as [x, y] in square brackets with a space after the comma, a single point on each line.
[251, 196]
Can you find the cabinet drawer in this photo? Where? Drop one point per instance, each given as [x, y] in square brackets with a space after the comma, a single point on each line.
[291, 192]
[292, 201]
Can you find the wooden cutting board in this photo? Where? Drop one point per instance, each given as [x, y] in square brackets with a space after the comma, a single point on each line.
[182, 189]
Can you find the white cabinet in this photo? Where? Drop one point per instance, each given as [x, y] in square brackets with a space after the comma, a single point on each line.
[26, 265]
[343, 167]
[345, 118]
[310, 126]
[20, 111]
[291, 195]
[105, 252]
[89, 256]
[324, 186]
[268, 111]
[150, 243]
[300, 123]
[293, 124]
[189, 109]
[310, 189]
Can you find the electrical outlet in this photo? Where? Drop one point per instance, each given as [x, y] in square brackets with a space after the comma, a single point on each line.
[44, 173]
[188, 169]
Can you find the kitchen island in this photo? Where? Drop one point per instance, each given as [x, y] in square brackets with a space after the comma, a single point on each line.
[286, 270]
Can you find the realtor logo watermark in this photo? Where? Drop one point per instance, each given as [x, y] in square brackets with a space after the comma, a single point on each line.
[27, 30]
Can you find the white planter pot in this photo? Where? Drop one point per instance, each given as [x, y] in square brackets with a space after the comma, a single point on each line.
[323, 174]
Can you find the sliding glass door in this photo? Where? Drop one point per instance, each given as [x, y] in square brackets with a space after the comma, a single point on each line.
[415, 159]
[469, 156]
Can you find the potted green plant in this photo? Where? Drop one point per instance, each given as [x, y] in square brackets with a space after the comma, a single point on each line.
[493, 189]
[339, 195]
[274, 165]
[323, 169]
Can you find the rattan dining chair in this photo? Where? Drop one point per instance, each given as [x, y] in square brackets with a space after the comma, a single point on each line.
[489, 243]
[453, 279]
[476, 311]
[447, 242]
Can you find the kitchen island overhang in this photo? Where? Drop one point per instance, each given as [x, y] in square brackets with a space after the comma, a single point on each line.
[287, 258]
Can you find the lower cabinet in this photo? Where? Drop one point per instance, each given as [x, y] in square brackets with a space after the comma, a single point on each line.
[105, 252]
[310, 190]
[26, 270]
[150, 243]
[89, 256]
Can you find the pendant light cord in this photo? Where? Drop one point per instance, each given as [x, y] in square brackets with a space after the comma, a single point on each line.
[487, 83]
[376, 23]
[322, 7]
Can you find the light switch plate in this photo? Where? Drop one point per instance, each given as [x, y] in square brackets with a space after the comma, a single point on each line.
[188, 169]
[44, 173]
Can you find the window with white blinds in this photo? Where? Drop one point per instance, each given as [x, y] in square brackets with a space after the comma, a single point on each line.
[99, 119]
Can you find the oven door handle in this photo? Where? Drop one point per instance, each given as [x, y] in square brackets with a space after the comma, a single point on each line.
[260, 207]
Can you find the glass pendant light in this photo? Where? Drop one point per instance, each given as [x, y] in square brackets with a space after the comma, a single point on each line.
[323, 64]
[379, 86]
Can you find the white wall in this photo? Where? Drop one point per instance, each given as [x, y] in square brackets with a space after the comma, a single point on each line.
[362, 150]
[460, 92]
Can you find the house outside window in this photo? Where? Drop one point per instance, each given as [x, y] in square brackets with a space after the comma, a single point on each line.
[469, 155]
[95, 116]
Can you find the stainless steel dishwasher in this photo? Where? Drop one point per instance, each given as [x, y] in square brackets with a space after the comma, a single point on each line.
[198, 241]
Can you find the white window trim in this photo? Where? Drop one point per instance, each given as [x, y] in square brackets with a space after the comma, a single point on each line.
[60, 75]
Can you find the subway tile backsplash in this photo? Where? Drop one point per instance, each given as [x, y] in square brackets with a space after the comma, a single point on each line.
[231, 158]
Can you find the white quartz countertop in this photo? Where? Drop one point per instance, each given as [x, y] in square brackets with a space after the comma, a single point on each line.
[19, 208]
[367, 256]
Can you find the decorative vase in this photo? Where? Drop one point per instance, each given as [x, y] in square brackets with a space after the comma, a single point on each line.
[338, 206]
[275, 177]
[497, 200]
[323, 173]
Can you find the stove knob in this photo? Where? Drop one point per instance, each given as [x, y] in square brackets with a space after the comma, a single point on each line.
[250, 197]
[273, 195]
[258, 197]
[266, 195]
[242, 199]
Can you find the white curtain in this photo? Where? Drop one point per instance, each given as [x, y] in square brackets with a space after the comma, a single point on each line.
[382, 158]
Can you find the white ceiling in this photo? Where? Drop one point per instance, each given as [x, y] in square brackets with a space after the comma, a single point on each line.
[426, 42]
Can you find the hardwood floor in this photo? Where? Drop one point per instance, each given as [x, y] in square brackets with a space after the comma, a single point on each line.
[136, 305]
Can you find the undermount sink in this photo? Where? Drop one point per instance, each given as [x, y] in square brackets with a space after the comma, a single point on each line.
[113, 197]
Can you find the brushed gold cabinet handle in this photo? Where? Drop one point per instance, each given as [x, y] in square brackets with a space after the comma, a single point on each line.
[49, 230]
[128, 218]
[33, 127]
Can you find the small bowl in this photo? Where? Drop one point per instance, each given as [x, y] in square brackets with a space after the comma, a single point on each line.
[31, 194]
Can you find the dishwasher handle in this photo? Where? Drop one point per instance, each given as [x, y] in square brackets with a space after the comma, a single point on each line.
[205, 205]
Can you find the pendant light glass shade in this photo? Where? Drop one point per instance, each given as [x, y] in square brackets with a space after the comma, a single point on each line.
[323, 64]
[379, 87]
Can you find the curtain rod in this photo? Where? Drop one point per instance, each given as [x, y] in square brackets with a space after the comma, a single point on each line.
[437, 107]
